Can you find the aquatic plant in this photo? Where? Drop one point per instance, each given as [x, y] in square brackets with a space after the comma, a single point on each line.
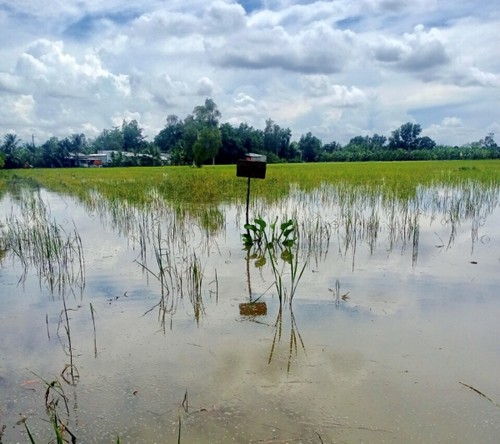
[337, 296]
[257, 234]
[55, 396]
[70, 373]
[194, 286]
[39, 241]
[272, 242]
[177, 269]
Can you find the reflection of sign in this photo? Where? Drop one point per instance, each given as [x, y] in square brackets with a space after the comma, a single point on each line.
[251, 168]
[253, 309]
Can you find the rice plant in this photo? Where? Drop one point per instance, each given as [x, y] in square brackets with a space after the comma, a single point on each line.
[70, 372]
[194, 286]
[179, 272]
[219, 184]
[56, 400]
[38, 241]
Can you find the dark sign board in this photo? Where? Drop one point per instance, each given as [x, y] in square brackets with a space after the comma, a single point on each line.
[251, 168]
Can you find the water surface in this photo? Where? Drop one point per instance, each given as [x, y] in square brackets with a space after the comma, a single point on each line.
[397, 309]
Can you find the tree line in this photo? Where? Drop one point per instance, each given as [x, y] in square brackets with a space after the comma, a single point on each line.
[200, 138]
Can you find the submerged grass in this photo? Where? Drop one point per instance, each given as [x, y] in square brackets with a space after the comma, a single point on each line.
[38, 241]
[362, 192]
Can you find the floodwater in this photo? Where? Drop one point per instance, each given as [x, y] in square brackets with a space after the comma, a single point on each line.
[392, 334]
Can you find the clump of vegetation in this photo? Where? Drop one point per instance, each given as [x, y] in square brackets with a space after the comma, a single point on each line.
[38, 241]
[257, 234]
[55, 401]
[219, 184]
[275, 241]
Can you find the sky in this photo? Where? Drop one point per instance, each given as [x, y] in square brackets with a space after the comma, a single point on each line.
[337, 69]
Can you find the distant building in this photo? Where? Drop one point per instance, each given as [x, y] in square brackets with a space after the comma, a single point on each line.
[105, 158]
[256, 157]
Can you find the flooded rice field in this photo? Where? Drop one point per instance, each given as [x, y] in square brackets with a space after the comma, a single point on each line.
[378, 322]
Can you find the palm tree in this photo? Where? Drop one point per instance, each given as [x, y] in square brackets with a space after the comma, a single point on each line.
[10, 143]
[9, 146]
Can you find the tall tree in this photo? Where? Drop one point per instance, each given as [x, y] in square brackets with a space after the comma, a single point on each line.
[405, 137]
[133, 138]
[189, 137]
[207, 114]
[10, 143]
[270, 140]
[78, 142]
[9, 149]
[310, 146]
[331, 147]
[207, 145]
[378, 142]
[425, 143]
[489, 141]
[284, 149]
[54, 153]
[208, 137]
[171, 135]
[277, 140]
[108, 140]
[232, 147]
[251, 139]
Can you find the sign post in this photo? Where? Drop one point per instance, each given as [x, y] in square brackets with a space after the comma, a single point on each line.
[252, 166]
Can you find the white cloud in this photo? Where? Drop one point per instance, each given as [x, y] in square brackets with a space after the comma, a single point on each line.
[205, 87]
[418, 51]
[44, 68]
[126, 116]
[453, 122]
[244, 109]
[473, 76]
[328, 93]
[222, 17]
[23, 107]
[333, 67]
[17, 109]
[316, 49]
[161, 24]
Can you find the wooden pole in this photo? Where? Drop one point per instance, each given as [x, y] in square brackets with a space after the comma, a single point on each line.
[248, 200]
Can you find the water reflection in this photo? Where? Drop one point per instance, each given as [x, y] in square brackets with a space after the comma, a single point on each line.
[359, 216]
[366, 252]
[293, 341]
[38, 241]
[175, 242]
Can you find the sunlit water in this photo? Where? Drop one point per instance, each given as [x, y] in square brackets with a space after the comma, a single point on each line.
[394, 321]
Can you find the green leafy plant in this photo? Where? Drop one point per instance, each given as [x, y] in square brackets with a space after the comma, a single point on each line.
[276, 241]
[257, 234]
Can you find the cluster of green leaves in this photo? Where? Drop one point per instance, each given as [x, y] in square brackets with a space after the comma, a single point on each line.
[258, 235]
[273, 240]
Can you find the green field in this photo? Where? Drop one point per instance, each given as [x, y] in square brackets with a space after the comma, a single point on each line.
[213, 184]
